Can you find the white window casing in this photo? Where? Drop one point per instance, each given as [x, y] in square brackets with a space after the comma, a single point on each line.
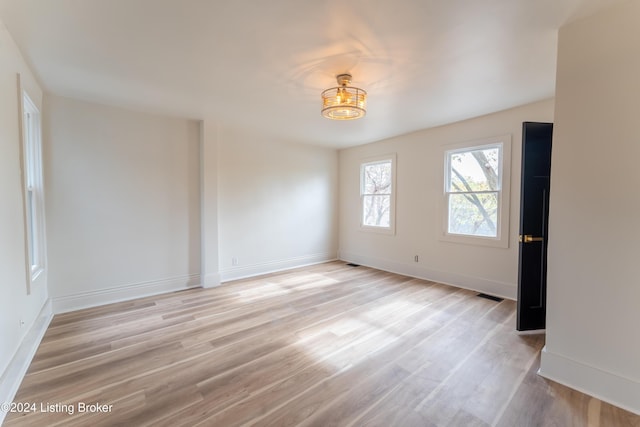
[476, 192]
[377, 194]
[33, 181]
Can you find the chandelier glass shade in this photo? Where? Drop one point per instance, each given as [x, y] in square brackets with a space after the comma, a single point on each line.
[344, 102]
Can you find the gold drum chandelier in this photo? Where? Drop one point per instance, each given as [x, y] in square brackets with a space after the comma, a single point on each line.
[344, 102]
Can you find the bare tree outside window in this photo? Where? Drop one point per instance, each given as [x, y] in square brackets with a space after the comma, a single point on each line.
[473, 190]
[376, 190]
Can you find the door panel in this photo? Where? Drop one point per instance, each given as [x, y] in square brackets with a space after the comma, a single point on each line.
[534, 218]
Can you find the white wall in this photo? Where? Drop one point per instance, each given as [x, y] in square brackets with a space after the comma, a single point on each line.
[210, 259]
[123, 203]
[277, 203]
[419, 177]
[18, 311]
[593, 313]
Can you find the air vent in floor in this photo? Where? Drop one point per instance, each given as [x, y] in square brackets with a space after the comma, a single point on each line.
[491, 297]
[353, 265]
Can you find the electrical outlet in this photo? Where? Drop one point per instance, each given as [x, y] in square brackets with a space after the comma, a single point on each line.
[21, 323]
[234, 261]
[415, 258]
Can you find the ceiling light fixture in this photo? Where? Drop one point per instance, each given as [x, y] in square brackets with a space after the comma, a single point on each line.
[344, 102]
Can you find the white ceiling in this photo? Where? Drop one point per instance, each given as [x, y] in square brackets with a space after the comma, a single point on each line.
[261, 64]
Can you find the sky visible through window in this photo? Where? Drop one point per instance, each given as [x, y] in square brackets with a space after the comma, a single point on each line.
[473, 191]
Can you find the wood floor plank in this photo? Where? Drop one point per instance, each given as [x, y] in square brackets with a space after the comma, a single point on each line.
[325, 345]
[431, 361]
[277, 396]
[401, 352]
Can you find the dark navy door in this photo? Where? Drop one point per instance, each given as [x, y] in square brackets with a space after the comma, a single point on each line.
[534, 220]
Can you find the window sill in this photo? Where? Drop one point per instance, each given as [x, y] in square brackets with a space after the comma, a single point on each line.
[378, 230]
[475, 240]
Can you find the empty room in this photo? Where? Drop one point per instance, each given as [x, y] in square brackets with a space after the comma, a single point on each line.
[319, 213]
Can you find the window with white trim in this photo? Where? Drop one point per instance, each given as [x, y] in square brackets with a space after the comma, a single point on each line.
[476, 199]
[376, 194]
[34, 197]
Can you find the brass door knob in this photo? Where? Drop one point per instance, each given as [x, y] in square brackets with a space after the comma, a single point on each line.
[528, 238]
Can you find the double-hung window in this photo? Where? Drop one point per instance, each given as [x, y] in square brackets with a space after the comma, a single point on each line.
[377, 194]
[476, 192]
[34, 197]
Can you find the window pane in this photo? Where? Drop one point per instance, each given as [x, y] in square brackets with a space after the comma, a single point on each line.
[377, 178]
[473, 214]
[33, 182]
[31, 217]
[375, 211]
[474, 170]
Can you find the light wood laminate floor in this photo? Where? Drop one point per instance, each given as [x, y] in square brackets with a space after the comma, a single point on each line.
[327, 345]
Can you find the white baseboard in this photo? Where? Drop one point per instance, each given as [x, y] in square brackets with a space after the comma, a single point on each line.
[211, 280]
[491, 287]
[606, 386]
[123, 293]
[17, 368]
[242, 272]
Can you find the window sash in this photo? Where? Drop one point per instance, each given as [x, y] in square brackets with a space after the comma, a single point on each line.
[482, 220]
[364, 178]
[451, 224]
[449, 167]
[32, 144]
[383, 216]
[377, 205]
